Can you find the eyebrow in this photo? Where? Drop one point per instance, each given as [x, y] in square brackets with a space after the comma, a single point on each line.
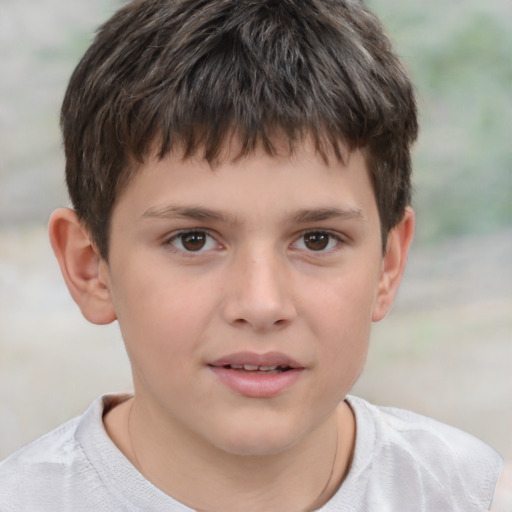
[188, 212]
[319, 214]
[205, 214]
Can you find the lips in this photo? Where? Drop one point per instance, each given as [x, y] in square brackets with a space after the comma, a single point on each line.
[257, 375]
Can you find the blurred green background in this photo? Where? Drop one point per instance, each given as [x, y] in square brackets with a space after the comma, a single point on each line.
[445, 350]
[459, 54]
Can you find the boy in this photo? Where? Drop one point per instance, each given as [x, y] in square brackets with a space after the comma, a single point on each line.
[240, 177]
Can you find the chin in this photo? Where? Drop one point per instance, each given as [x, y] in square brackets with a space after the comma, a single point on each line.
[256, 440]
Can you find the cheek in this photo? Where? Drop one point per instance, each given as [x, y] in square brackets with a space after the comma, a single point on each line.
[342, 326]
[160, 319]
[344, 303]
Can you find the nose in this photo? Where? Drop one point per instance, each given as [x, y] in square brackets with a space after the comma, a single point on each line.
[259, 292]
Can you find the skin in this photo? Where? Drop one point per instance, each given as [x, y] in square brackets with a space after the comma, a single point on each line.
[291, 263]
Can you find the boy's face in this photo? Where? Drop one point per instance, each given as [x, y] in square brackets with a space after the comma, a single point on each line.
[267, 261]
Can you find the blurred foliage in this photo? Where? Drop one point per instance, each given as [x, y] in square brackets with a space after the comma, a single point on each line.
[459, 54]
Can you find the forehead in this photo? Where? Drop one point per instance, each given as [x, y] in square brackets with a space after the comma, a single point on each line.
[235, 151]
[286, 182]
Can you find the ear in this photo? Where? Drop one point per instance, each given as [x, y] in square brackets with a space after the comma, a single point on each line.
[393, 265]
[85, 272]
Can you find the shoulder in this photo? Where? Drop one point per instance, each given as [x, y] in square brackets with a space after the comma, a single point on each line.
[46, 474]
[55, 447]
[429, 442]
[430, 465]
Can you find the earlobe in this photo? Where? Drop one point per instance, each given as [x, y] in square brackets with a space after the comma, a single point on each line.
[85, 272]
[393, 265]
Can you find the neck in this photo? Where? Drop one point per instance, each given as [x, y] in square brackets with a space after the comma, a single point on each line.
[302, 477]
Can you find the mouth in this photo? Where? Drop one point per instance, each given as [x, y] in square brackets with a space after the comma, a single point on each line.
[257, 375]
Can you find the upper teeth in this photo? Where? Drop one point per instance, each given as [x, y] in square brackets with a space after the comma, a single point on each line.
[253, 367]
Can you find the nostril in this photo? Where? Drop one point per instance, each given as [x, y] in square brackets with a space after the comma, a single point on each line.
[240, 321]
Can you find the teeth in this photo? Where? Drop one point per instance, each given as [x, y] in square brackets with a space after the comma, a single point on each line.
[250, 367]
[254, 367]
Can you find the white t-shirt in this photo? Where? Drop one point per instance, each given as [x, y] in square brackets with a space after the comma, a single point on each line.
[402, 462]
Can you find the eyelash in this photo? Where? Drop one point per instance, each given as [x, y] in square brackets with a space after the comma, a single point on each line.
[331, 238]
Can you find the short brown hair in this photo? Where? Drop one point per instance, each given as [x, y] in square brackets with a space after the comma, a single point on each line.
[192, 72]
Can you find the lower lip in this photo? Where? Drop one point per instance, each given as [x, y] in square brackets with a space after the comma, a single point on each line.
[257, 385]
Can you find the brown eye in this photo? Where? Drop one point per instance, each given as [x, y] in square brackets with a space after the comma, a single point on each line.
[190, 242]
[316, 241]
[194, 241]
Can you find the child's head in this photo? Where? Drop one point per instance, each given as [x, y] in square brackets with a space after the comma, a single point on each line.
[240, 163]
[187, 75]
